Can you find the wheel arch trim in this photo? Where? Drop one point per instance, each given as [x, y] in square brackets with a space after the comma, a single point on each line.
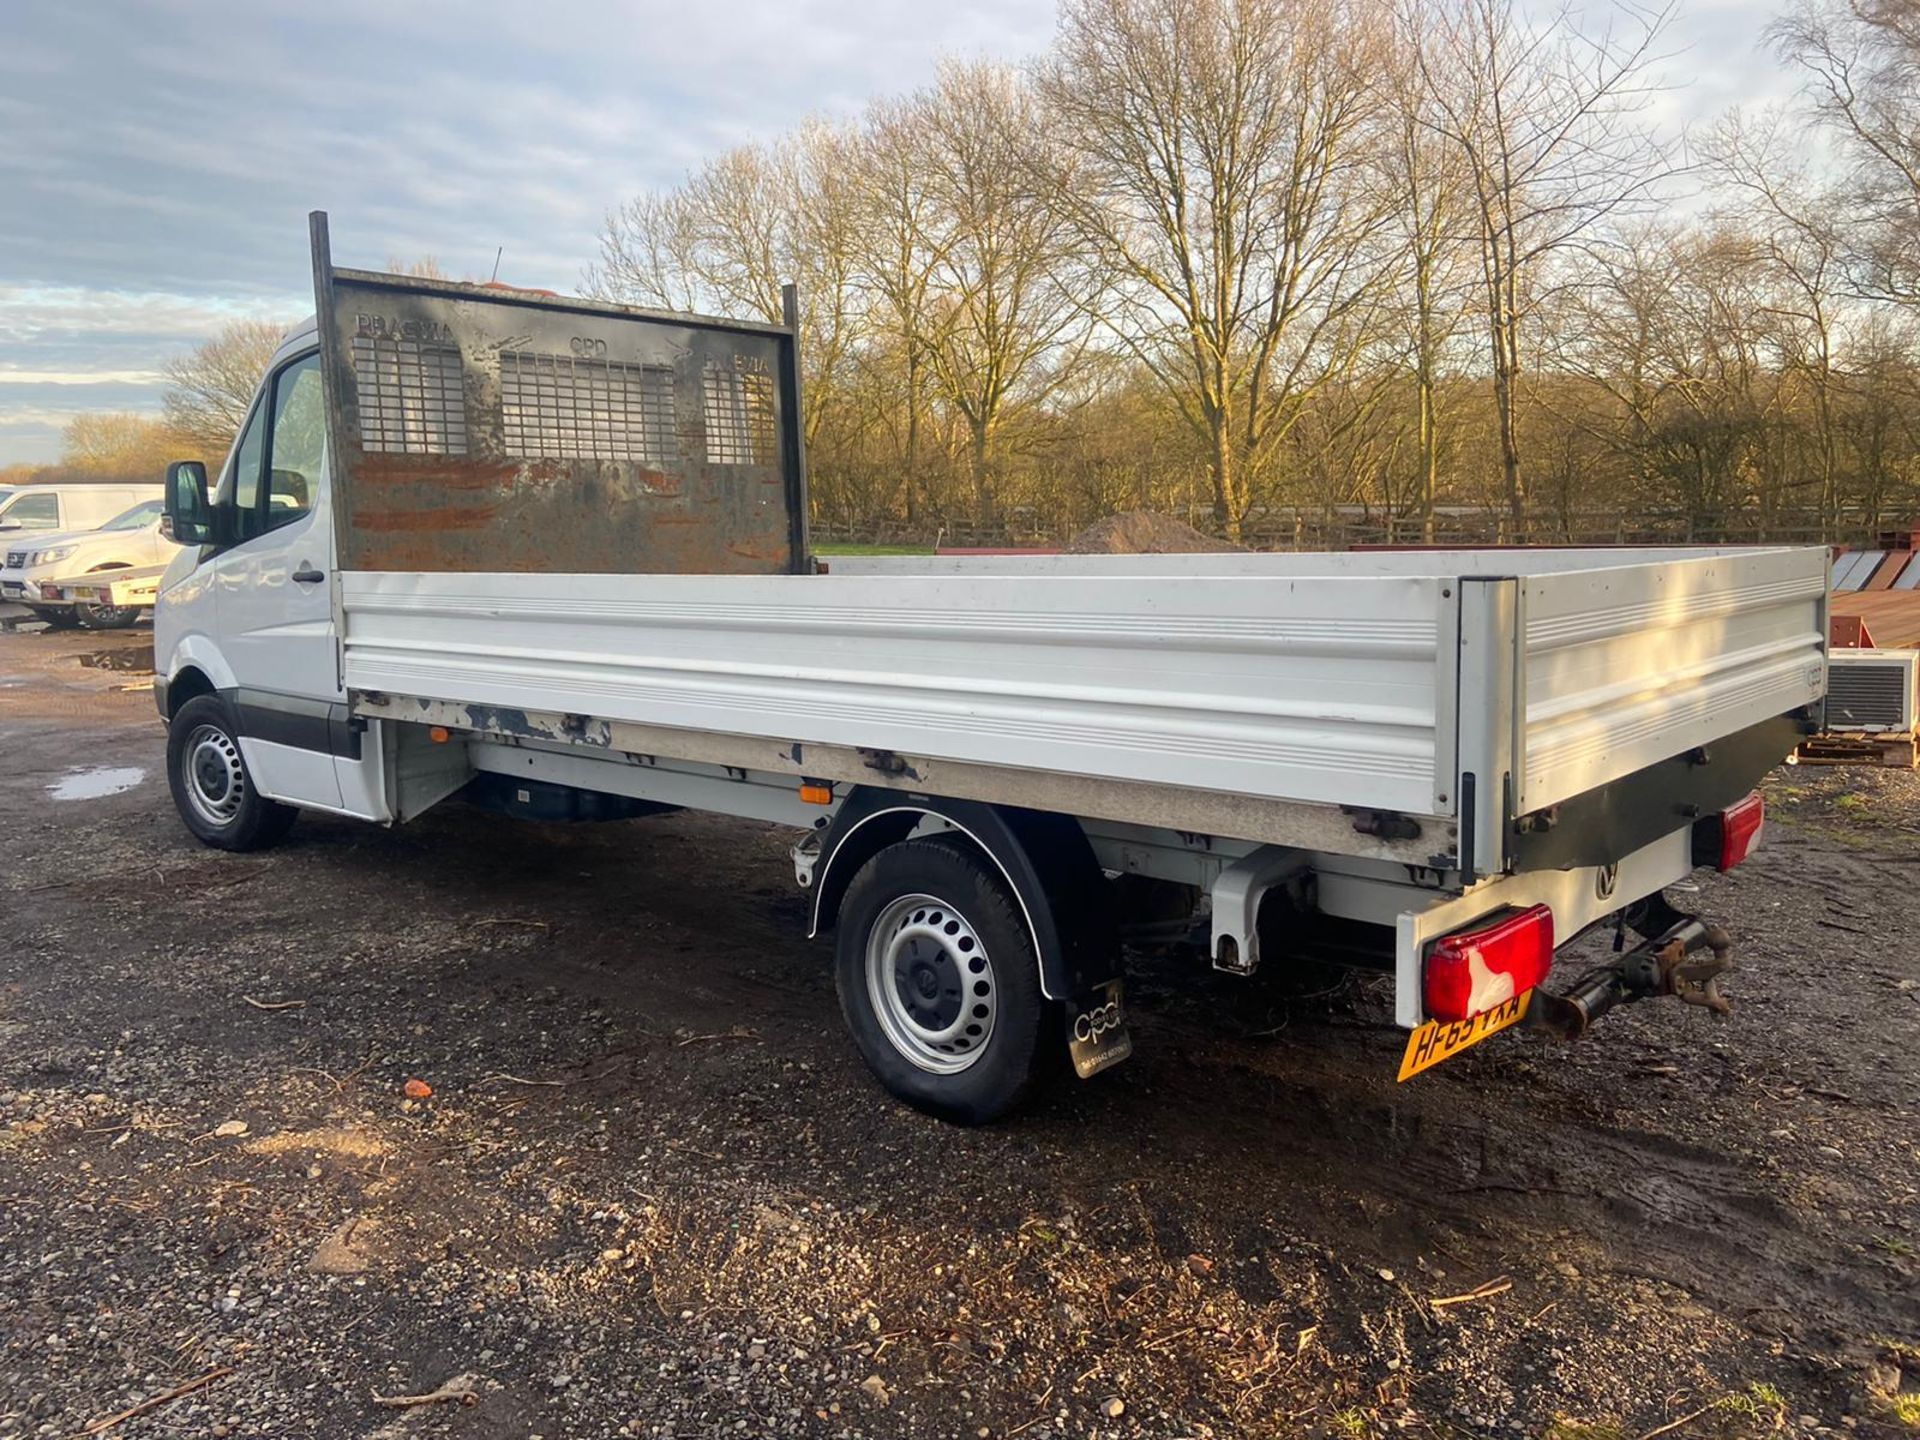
[189, 682]
[1046, 879]
[198, 652]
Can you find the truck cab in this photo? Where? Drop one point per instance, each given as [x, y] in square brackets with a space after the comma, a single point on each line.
[245, 610]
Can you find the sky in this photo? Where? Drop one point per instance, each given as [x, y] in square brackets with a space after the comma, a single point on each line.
[158, 157]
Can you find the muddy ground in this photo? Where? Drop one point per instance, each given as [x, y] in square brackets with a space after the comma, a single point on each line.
[653, 1191]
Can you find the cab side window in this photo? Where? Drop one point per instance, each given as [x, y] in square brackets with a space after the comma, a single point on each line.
[35, 512]
[282, 457]
[246, 476]
[296, 452]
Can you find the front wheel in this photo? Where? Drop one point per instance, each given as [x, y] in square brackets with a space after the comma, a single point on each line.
[211, 788]
[939, 982]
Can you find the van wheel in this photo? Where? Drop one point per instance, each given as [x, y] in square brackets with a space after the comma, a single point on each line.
[939, 982]
[211, 787]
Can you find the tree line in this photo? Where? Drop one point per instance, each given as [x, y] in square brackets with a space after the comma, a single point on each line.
[1398, 268]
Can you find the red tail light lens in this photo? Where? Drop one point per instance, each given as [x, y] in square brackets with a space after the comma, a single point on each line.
[1740, 830]
[1476, 970]
[1724, 840]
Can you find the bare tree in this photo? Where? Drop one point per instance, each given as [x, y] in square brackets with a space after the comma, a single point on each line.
[649, 253]
[1880, 421]
[209, 388]
[742, 227]
[1546, 120]
[1862, 59]
[1220, 180]
[1667, 335]
[899, 244]
[823, 257]
[1428, 183]
[1771, 188]
[120, 445]
[1263, 263]
[1001, 249]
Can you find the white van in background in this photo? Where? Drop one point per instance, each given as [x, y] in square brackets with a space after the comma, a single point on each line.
[68, 505]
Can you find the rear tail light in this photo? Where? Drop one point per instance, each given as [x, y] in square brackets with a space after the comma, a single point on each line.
[1475, 970]
[1724, 840]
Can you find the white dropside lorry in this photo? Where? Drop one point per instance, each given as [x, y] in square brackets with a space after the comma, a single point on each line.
[551, 556]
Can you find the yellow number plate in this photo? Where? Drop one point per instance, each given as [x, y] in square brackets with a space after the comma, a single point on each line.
[1439, 1040]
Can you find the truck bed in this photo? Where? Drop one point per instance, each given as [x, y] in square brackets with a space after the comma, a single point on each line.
[1362, 681]
[566, 516]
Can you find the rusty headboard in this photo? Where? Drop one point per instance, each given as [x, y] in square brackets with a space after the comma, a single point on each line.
[474, 427]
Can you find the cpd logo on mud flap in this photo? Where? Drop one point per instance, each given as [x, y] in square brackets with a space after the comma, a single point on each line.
[1090, 1025]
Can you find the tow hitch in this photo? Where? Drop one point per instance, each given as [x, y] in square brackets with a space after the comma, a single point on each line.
[1686, 958]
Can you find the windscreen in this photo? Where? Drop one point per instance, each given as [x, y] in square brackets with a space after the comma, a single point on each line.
[488, 430]
[138, 518]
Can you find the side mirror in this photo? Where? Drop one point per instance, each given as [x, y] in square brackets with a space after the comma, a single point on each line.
[188, 519]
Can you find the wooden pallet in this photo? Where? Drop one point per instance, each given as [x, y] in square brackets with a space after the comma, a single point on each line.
[1900, 751]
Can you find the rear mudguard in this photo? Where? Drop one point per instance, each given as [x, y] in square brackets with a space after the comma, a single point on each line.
[1044, 858]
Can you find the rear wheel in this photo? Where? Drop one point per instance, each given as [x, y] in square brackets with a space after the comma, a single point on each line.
[211, 788]
[105, 617]
[59, 617]
[939, 982]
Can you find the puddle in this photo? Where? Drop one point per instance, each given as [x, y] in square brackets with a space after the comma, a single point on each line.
[128, 657]
[96, 782]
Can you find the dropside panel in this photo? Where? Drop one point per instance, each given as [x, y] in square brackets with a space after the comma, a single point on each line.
[1626, 666]
[1331, 692]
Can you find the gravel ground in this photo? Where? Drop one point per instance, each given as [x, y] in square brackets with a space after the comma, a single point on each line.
[653, 1193]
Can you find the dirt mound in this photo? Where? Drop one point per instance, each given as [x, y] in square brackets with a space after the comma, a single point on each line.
[1141, 532]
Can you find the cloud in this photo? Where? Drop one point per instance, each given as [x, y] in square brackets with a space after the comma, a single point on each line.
[12, 376]
[170, 192]
[158, 157]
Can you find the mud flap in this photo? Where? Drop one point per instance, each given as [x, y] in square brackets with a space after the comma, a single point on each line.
[1097, 1034]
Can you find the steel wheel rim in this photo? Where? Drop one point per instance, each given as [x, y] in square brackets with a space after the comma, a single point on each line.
[931, 984]
[216, 781]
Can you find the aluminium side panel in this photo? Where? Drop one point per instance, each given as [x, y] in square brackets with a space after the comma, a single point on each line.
[1633, 664]
[1326, 691]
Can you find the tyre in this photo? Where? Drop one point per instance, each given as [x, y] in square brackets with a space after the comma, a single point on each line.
[105, 617]
[939, 982]
[58, 617]
[211, 788]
